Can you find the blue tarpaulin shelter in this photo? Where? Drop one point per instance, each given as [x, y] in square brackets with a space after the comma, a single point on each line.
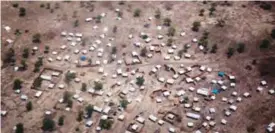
[215, 91]
[221, 74]
[83, 58]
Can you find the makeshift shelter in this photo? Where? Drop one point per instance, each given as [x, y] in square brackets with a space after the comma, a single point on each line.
[83, 58]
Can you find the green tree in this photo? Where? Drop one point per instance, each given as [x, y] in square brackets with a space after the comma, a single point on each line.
[98, 19]
[61, 120]
[17, 32]
[157, 14]
[214, 48]
[22, 12]
[10, 56]
[29, 106]
[17, 84]
[69, 77]
[143, 52]
[241, 47]
[196, 26]
[273, 33]
[171, 31]
[167, 22]
[19, 128]
[70, 103]
[124, 103]
[89, 109]
[36, 38]
[48, 124]
[24, 66]
[106, 124]
[211, 10]
[66, 96]
[114, 50]
[201, 12]
[79, 116]
[47, 49]
[25, 53]
[84, 87]
[137, 13]
[265, 44]
[15, 5]
[76, 23]
[37, 83]
[169, 42]
[140, 81]
[98, 85]
[230, 52]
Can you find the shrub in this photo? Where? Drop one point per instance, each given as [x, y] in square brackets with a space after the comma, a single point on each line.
[36, 38]
[266, 6]
[214, 48]
[17, 32]
[69, 77]
[84, 87]
[115, 29]
[15, 5]
[241, 47]
[124, 103]
[37, 83]
[79, 116]
[167, 22]
[98, 85]
[140, 81]
[47, 49]
[19, 128]
[143, 52]
[48, 124]
[273, 33]
[169, 42]
[201, 12]
[157, 14]
[212, 9]
[114, 50]
[42, 5]
[171, 31]
[98, 19]
[76, 23]
[48, 6]
[196, 26]
[10, 56]
[137, 13]
[22, 12]
[70, 103]
[24, 66]
[265, 44]
[89, 109]
[17, 84]
[66, 96]
[61, 120]
[106, 124]
[29, 106]
[230, 52]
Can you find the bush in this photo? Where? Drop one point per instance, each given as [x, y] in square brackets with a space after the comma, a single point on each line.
[106, 124]
[89, 109]
[157, 14]
[124, 103]
[211, 10]
[29, 106]
[37, 83]
[84, 87]
[171, 31]
[70, 103]
[114, 50]
[196, 26]
[266, 6]
[265, 44]
[79, 116]
[230, 52]
[273, 33]
[98, 85]
[214, 48]
[17, 32]
[137, 13]
[140, 81]
[167, 22]
[143, 52]
[36, 38]
[241, 47]
[66, 96]
[15, 5]
[48, 124]
[115, 29]
[42, 5]
[19, 128]
[48, 6]
[22, 12]
[169, 42]
[24, 66]
[17, 84]
[201, 12]
[76, 23]
[10, 56]
[69, 77]
[47, 49]
[61, 120]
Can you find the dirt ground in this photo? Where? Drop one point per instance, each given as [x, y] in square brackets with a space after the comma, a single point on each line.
[244, 22]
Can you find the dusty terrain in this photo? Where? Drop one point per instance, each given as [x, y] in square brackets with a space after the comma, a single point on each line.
[244, 22]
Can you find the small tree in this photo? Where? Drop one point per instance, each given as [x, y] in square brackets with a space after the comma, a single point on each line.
[25, 53]
[137, 13]
[70, 103]
[24, 66]
[143, 52]
[47, 49]
[196, 26]
[171, 31]
[167, 22]
[66, 96]
[169, 42]
[265, 44]
[15, 5]
[79, 116]
[37, 83]
[105, 124]
[273, 33]
[10, 56]
[214, 48]
[84, 87]
[201, 12]
[157, 14]
[29, 106]
[211, 10]
[61, 120]
[22, 12]
[140, 81]
[48, 124]
[19, 128]
[230, 52]
[17, 84]
[89, 110]
[98, 19]
[76, 23]
[241, 47]
[115, 29]
[17, 32]
[48, 6]
[124, 103]
[69, 77]
[36, 38]
[98, 85]
[114, 50]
